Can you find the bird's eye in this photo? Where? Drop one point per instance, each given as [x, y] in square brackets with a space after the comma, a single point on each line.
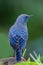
[26, 17]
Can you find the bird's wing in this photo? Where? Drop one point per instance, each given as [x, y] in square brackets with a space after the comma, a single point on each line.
[17, 42]
[17, 37]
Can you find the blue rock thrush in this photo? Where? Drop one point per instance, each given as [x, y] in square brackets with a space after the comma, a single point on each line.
[18, 35]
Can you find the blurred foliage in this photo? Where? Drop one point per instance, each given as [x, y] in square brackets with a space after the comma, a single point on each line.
[9, 11]
[5, 49]
[42, 59]
[26, 63]
[36, 58]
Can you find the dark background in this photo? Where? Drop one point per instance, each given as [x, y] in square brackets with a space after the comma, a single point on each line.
[9, 10]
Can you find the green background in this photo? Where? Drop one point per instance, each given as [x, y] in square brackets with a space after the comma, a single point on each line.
[9, 10]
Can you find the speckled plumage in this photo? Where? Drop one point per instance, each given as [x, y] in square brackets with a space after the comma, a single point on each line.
[18, 34]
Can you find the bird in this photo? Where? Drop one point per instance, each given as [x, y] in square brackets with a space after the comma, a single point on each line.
[18, 35]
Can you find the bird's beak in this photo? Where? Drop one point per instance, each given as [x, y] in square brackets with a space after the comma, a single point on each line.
[29, 16]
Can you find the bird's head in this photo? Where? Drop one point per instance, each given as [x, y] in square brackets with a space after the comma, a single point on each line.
[23, 18]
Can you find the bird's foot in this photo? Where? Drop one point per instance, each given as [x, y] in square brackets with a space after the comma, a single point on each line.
[23, 59]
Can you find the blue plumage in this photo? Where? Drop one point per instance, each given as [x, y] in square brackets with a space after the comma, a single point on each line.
[18, 35]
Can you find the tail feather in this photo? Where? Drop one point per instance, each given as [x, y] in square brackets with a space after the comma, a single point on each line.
[18, 55]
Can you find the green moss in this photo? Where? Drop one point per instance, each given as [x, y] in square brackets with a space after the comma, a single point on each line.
[26, 63]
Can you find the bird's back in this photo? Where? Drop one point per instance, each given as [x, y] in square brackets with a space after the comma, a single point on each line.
[18, 30]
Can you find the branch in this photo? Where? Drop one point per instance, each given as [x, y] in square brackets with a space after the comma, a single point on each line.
[10, 60]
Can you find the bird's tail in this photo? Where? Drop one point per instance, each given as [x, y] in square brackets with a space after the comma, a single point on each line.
[18, 55]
